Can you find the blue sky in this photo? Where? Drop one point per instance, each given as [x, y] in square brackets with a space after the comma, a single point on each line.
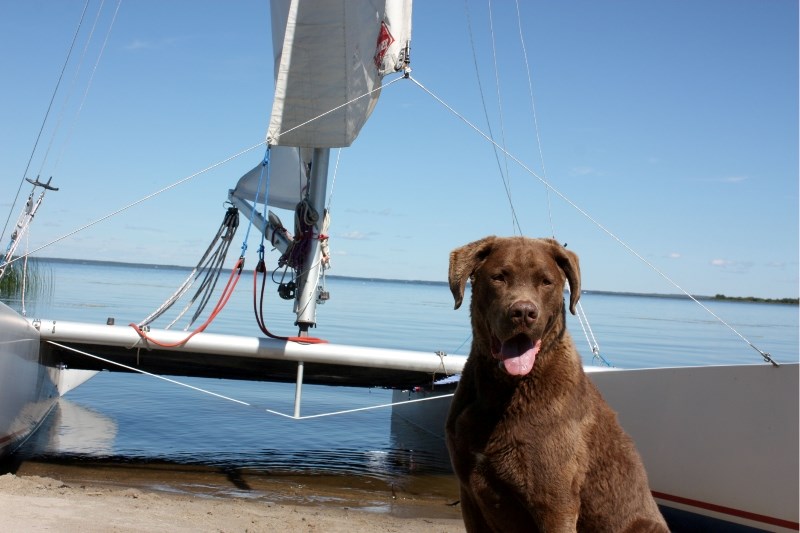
[674, 124]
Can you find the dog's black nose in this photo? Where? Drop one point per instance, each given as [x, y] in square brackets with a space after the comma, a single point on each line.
[524, 313]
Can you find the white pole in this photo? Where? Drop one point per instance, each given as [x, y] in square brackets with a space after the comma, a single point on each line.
[251, 347]
[298, 390]
[308, 281]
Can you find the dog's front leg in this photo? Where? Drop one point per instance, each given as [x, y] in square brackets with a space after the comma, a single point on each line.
[559, 504]
[474, 520]
[566, 522]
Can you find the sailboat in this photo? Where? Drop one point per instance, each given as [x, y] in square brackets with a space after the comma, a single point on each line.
[715, 456]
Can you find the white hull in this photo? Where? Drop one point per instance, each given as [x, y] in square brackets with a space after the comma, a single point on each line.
[720, 443]
[28, 388]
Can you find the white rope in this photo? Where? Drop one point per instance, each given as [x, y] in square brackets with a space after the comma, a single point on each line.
[358, 409]
[91, 77]
[535, 119]
[140, 371]
[333, 180]
[582, 317]
[143, 199]
[589, 334]
[356, 99]
[503, 177]
[25, 277]
[177, 295]
[241, 402]
[46, 115]
[507, 180]
[767, 357]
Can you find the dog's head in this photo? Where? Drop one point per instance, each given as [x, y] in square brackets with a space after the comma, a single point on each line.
[517, 293]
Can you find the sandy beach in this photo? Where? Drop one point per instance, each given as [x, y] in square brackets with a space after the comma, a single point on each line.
[97, 498]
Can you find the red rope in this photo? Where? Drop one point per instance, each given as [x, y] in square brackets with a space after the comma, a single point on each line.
[260, 315]
[233, 279]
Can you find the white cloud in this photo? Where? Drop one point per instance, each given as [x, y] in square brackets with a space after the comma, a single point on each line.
[139, 45]
[355, 235]
[733, 267]
[582, 171]
[729, 179]
[386, 212]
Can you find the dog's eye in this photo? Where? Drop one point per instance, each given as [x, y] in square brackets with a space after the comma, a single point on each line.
[499, 277]
[547, 281]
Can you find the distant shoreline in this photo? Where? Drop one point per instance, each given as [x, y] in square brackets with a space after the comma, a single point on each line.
[717, 297]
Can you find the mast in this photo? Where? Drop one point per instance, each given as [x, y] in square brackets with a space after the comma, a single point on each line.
[308, 280]
[330, 59]
[24, 220]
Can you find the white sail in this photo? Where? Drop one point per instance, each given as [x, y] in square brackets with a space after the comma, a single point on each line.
[288, 178]
[330, 59]
[332, 53]
[371, 39]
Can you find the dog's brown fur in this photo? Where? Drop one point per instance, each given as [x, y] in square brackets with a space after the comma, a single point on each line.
[540, 451]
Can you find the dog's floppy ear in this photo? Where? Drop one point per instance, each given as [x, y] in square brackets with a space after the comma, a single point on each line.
[463, 262]
[567, 260]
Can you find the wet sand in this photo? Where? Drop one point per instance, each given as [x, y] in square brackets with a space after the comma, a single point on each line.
[164, 497]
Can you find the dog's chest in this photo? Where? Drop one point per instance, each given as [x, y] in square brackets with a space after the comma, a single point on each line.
[505, 461]
[517, 448]
[494, 448]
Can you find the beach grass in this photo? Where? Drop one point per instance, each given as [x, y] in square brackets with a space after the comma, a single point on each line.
[30, 279]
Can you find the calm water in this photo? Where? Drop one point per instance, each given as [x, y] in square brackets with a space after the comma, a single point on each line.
[134, 417]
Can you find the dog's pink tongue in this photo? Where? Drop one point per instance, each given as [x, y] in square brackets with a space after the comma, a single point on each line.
[519, 354]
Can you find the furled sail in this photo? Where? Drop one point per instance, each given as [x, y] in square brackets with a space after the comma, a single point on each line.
[329, 57]
[332, 54]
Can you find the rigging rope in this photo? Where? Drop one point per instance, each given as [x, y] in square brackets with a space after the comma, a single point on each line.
[241, 402]
[506, 177]
[544, 181]
[258, 306]
[46, 115]
[211, 264]
[356, 99]
[589, 334]
[24, 281]
[766, 355]
[61, 114]
[227, 291]
[91, 79]
[141, 200]
[535, 117]
[488, 122]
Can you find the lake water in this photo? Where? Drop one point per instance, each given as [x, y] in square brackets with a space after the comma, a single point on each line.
[130, 417]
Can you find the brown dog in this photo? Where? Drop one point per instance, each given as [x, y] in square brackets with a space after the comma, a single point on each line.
[534, 445]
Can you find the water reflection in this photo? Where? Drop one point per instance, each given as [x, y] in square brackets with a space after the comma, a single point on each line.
[121, 419]
[71, 429]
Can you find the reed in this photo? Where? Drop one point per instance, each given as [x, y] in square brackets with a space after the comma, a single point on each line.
[34, 278]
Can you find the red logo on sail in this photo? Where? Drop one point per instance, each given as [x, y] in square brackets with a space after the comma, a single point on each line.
[385, 40]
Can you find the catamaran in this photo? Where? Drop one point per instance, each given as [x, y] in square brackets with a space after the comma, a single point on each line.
[716, 457]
